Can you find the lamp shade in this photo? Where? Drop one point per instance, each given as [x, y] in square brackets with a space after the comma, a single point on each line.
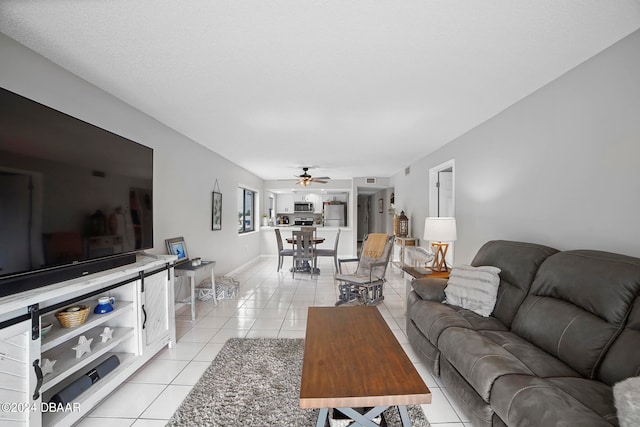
[440, 229]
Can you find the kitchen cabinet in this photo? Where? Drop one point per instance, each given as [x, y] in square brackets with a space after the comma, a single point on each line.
[316, 199]
[284, 203]
[336, 197]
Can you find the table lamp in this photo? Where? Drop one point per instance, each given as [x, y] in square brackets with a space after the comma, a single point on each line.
[438, 230]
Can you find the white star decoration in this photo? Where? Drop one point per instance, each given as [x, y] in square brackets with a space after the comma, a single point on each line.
[106, 334]
[47, 366]
[84, 346]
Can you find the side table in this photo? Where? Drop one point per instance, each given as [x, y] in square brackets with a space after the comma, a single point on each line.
[190, 271]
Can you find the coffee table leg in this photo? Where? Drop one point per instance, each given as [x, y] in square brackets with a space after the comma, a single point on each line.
[404, 416]
[364, 420]
[322, 417]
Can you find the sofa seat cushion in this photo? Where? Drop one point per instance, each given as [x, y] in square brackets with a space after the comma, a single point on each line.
[524, 400]
[431, 318]
[478, 359]
[595, 395]
[541, 363]
[483, 356]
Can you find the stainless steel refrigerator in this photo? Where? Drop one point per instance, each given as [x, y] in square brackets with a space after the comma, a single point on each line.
[335, 214]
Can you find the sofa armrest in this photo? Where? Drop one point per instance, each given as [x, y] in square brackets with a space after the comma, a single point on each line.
[430, 289]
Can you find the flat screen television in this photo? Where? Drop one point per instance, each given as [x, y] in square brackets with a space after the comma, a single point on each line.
[74, 198]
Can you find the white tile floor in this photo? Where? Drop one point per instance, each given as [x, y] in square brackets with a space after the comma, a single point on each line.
[270, 304]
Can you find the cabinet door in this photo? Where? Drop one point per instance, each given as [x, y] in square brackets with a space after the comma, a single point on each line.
[19, 371]
[285, 203]
[317, 203]
[155, 313]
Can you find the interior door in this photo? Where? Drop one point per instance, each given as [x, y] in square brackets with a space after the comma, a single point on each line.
[445, 193]
[363, 217]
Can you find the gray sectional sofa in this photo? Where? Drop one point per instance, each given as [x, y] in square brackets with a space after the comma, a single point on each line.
[564, 330]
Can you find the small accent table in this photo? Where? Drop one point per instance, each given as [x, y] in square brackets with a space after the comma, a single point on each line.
[190, 271]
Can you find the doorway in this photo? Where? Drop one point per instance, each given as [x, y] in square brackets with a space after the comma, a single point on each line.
[442, 201]
[442, 190]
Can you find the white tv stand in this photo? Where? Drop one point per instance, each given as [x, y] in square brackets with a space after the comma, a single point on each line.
[142, 323]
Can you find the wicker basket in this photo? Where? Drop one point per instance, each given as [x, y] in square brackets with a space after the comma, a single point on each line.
[69, 319]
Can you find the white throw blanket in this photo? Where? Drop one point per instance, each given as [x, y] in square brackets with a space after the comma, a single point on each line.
[627, 398]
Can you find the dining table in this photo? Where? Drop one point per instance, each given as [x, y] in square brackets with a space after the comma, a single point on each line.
[305, 267]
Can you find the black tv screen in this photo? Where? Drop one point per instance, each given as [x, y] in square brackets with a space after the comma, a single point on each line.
[70, 192]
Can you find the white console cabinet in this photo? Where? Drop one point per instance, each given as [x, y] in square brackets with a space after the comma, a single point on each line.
[19, 362]
[34, 369]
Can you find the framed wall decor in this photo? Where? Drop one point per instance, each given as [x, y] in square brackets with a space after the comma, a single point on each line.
[216, 211]
[380, 205]
[177, 246]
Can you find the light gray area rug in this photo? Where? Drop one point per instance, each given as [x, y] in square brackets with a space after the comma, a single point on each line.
[256, 382]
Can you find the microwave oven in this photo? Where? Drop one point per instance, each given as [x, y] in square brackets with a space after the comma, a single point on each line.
[303, 207]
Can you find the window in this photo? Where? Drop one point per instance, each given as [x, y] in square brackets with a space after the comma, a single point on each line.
[246, 210]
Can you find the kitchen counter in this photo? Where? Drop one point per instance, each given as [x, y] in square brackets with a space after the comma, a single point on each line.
[297, 227]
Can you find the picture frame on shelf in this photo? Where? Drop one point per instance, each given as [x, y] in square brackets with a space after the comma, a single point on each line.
[178, 247]
[216, 211]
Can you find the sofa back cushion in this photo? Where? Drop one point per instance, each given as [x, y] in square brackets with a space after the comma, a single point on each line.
[518, 263]
[622, 360]
[578, 305]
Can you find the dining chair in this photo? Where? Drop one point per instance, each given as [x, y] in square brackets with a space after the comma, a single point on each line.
[303, 251]
[282, 252]
[309, 228]
[331, 252]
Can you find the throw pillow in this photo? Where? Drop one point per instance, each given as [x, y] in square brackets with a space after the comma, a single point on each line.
[473, 288]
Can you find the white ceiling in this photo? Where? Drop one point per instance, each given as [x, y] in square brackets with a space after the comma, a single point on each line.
[354, 87]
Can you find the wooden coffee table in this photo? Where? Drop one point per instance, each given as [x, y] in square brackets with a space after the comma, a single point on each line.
[353, 360]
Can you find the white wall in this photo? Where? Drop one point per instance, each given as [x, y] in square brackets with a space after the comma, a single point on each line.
[184, 172]
[561, 167]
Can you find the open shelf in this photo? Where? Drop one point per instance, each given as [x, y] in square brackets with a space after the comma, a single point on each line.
[65, 356]
[58, 334]
[54, 418]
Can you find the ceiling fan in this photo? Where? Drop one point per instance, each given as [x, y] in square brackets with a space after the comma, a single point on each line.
[305, 179]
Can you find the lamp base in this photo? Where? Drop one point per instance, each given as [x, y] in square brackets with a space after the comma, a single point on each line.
[439, 262]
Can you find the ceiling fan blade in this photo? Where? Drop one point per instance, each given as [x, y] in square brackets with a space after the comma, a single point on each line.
[321, 177]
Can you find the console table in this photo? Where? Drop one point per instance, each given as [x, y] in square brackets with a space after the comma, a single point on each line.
[403, 243]
[190, 271]
[40, 367]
